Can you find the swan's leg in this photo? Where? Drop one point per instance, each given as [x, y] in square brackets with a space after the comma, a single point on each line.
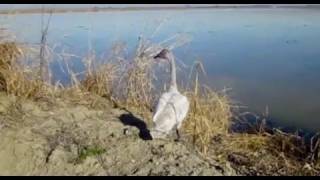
[178, 134]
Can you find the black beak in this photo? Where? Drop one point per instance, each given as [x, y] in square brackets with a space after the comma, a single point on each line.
[161, 55]
[157, 56]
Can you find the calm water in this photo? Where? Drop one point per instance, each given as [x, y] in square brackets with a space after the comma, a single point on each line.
[269, 57]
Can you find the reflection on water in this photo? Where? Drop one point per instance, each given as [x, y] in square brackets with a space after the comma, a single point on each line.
[269, 57]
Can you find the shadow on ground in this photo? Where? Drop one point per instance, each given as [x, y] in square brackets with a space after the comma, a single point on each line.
[131, 120]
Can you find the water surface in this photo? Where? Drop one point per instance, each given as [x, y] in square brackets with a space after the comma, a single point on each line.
[269, 57]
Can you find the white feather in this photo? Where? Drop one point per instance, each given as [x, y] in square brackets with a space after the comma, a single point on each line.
[171, 110]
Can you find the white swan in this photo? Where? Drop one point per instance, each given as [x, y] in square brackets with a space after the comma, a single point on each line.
[172, 106]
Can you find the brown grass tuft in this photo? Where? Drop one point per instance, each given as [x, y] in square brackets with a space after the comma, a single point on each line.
[15, 77]
[209, 114]
[9, 53]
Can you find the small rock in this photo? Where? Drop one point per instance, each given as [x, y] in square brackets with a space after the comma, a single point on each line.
[126, 131]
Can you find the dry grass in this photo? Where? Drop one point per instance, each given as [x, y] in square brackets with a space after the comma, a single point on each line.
[128, 83]
[138, 87]
[15, 78]
[209, 115]
[8, 55]
[268, 153]
[258, 154]
[131, 84]
[101, 82]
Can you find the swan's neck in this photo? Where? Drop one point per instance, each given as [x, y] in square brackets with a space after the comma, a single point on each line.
[173, 80]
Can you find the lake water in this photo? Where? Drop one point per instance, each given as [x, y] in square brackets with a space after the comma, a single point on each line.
[269, 57]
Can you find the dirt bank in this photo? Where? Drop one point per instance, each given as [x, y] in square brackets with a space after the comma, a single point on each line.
[64, 138]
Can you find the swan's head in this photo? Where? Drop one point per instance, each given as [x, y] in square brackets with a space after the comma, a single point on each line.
[165, 54]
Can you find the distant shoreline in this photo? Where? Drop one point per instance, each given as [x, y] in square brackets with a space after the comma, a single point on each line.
[104, 9]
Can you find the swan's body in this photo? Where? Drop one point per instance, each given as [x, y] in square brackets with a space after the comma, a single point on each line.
[172, 107]
[170, 112]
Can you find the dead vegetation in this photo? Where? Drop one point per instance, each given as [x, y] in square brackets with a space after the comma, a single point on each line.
[15, 77]
[131, 84]
[209, 115]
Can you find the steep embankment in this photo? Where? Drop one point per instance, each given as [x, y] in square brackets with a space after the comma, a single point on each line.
[65, 138]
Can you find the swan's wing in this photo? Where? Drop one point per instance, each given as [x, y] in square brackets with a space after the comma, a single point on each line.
[165, 120]
[165, 117]
[163, 100]
[181, 105]
[172, 110]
